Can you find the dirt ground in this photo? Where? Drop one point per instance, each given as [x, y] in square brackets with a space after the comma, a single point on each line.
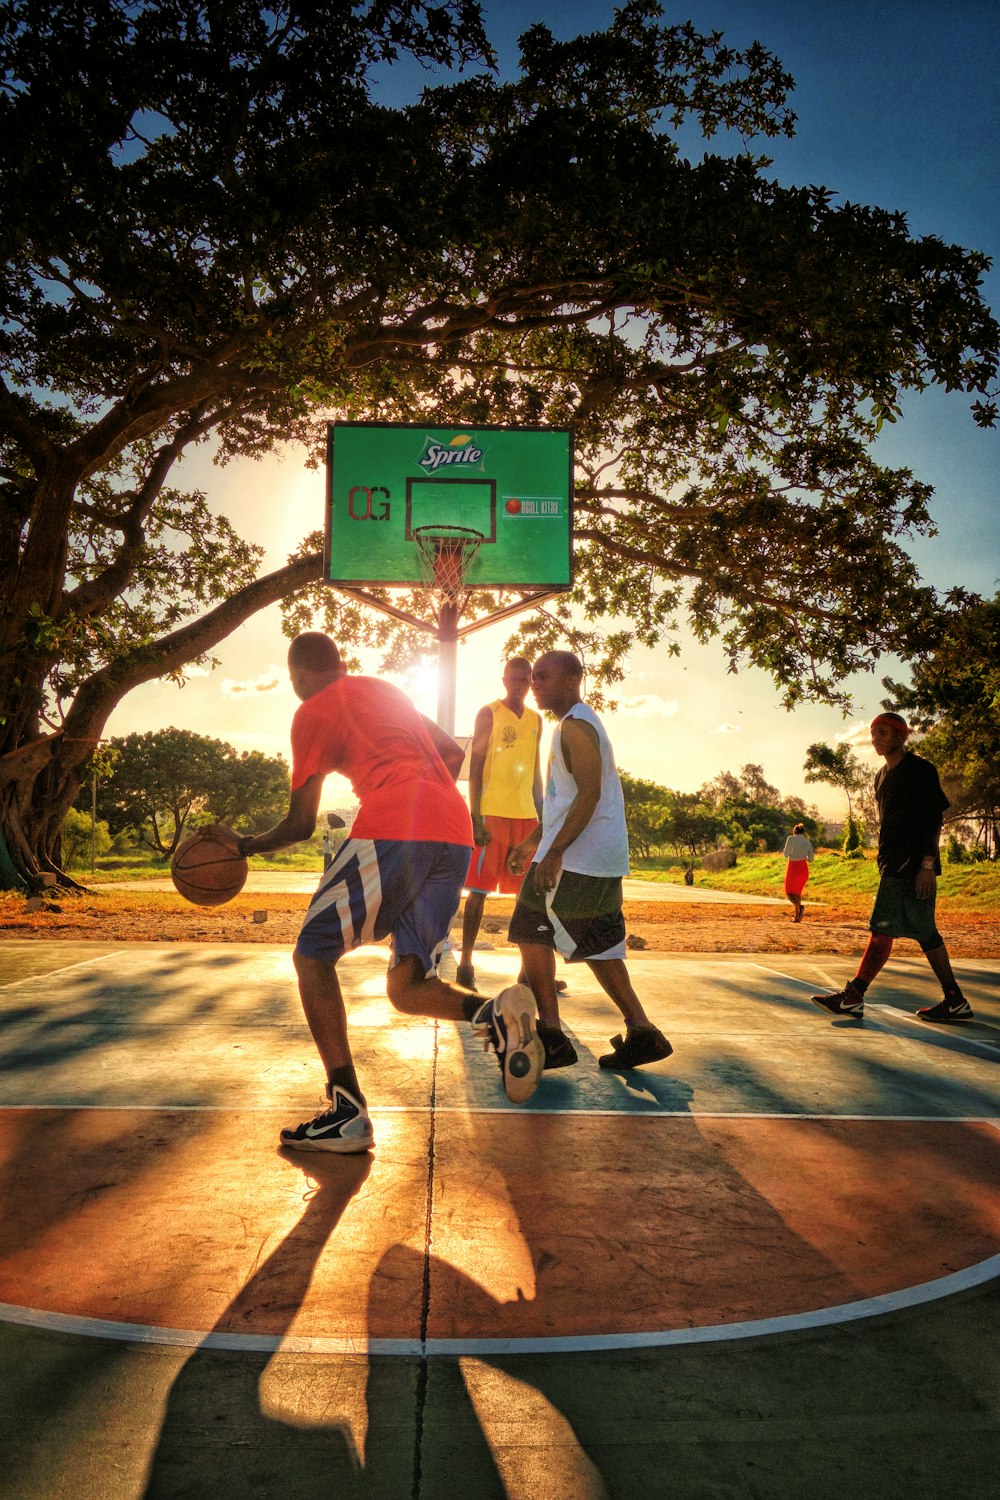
[656, 927]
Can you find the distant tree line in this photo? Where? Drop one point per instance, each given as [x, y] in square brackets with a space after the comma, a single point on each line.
[742, 812]
[158, 786]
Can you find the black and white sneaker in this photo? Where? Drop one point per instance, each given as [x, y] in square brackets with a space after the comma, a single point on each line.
[507, 1024]
[846, 1002]
[955, 1009]
[343, 1128]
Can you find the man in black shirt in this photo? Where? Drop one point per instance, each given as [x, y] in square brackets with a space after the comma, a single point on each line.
[911, 805]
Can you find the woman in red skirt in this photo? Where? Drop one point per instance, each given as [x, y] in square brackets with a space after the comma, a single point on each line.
[798, 851]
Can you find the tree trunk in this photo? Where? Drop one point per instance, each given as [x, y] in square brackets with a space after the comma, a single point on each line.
[41, 778]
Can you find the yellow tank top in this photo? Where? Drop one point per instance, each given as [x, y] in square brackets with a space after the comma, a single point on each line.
[510, 763]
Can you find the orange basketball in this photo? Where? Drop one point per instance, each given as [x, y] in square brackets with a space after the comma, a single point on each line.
[207, 871]
[513, 507]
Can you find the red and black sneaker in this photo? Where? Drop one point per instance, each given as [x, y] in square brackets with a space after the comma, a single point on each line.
[954, 1008]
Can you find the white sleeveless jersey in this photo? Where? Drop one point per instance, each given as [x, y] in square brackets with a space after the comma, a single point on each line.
[602, 847]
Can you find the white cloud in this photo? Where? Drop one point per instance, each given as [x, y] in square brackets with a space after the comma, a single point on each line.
[728, 729]
[193, 670]
[858, 736]
[648, 706]
[268, 681]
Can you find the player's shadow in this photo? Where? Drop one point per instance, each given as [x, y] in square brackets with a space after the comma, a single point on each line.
[216, 1437]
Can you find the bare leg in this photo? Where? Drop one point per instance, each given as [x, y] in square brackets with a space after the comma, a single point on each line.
[323, 1003]
[941, 964]
[475, 901]
[874, 958]
[415, 995]
[539, 965]
[612, 975]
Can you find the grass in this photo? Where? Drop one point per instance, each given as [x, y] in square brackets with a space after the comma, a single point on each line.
[144, 865]
[973, 888]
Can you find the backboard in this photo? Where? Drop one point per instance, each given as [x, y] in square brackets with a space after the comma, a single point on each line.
[513, 485]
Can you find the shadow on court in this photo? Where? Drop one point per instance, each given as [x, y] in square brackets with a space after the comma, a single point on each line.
[644, 1209]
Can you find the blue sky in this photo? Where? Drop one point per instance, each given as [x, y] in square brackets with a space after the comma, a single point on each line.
[898, 104]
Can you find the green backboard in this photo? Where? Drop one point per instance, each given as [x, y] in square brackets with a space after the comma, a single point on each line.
[513, 485]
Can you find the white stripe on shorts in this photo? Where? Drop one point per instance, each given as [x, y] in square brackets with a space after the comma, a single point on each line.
[339, 894]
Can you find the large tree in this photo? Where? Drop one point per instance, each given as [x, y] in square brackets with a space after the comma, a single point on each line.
[954, 697]
[213, 229]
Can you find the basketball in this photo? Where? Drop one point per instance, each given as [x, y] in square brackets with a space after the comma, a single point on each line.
[207, 871]
[513, 507]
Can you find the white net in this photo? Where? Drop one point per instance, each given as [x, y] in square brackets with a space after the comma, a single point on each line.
[446, 553]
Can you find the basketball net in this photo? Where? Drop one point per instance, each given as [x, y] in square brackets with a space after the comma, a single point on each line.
[446, 554]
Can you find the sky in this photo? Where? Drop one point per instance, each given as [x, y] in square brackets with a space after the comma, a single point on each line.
[898, 104]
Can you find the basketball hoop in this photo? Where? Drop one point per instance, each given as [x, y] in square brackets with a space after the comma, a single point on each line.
[446, 554]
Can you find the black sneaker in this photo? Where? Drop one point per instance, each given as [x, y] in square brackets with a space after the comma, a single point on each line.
[955, 1009]
[640, 1044]
[465, 975]
[559, 1050]
[507, 1024]
[846, 1002]
[343, 1128]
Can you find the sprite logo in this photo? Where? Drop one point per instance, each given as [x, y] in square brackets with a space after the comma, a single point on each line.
[459, 450]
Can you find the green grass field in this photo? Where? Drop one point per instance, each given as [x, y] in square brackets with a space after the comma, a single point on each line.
[973, 887]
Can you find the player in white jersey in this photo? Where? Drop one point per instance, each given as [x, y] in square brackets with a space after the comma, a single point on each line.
[571, 899]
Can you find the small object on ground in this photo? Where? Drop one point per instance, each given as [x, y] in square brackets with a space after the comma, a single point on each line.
[635, 941]
[34, 903]
[207, 870]
[260, 916]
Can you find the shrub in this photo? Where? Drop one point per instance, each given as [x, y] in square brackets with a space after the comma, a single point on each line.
[853, 844]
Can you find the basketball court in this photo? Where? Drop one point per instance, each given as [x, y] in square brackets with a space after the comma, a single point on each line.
[767, 1266]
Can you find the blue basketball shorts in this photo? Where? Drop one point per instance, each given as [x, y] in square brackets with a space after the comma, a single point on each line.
[377, 888]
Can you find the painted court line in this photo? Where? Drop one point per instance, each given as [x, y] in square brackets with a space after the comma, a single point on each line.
[957, 1040]
[82, 963]
[514, 1111]
[974, 1276]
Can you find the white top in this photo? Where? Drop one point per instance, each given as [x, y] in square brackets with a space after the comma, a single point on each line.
[602, 847]
[797, 846]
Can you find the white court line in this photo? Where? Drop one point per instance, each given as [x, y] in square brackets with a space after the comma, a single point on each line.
[809, 984]
[500, 1109]
[977, 1275]
[952, 1040]
[63, 969]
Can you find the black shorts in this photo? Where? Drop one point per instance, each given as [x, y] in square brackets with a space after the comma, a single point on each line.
[582, 918]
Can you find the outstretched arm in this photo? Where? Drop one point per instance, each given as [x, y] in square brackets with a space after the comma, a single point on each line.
[298, 823]
[449, 750]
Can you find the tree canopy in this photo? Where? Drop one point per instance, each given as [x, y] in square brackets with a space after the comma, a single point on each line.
[161, 781]
[214, 228]
[954, 696]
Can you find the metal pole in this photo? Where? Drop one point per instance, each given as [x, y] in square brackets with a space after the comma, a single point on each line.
[447, 665]
[93, 820]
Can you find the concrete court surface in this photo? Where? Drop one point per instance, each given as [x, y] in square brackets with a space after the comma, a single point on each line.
[765, 1267]
[303, 882]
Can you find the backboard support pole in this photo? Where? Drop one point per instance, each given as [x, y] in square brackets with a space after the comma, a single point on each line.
[448, 632]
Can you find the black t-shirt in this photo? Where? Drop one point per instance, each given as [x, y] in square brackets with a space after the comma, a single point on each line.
[911, 805]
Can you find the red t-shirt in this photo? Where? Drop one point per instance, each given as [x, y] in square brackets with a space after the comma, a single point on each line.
[370, 732]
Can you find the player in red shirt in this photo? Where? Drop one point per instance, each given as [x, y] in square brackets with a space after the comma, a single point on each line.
[399, 873]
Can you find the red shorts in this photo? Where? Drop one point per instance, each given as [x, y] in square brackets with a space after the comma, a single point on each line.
[488, 870]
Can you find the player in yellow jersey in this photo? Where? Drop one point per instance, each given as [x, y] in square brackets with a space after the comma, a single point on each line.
[505, 798]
